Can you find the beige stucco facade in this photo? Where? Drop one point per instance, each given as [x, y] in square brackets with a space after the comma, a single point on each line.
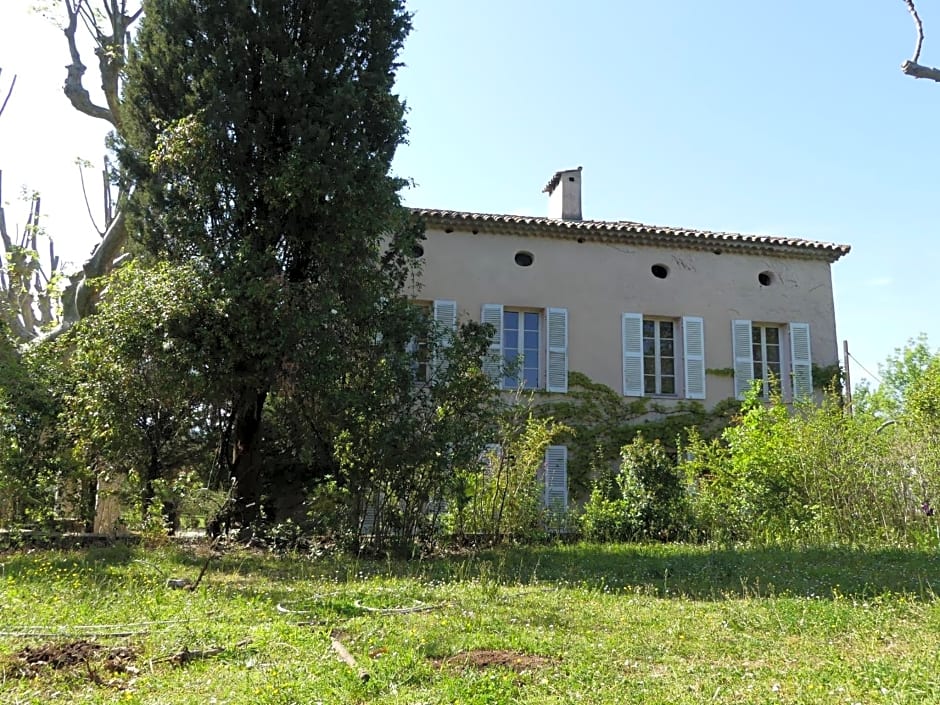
[598, 272]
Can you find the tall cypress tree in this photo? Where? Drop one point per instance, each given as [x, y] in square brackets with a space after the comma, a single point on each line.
[260, 134]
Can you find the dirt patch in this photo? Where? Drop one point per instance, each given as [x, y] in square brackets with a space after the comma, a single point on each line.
[82, 656]
[482, 658]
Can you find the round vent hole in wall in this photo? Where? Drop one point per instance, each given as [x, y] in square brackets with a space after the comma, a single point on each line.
[765, 278]
[417, 251]
[660, 271]
[524, 259]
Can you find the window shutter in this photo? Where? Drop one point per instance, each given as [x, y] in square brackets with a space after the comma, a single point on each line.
[445, 314]
[801, 361]
[493, 361]
[743, 357]
[445, 317]
[556, 380]
[693, 338]
[556, 478]
[632, 329]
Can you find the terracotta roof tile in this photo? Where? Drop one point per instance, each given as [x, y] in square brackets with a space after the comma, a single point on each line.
[630, 232]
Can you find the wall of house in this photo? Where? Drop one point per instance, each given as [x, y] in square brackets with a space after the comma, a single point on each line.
[598, 282]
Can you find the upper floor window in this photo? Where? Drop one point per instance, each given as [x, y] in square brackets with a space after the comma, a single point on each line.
[765, 347]
[663, 356]
[529, 347]
[772, 351]
[521, 336]
[659, 357]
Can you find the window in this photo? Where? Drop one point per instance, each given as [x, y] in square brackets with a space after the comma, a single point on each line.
[529, 347]
[663, 356]
[521, 349]
[444, 315]
[659, 357]
[765, 344]
[764, 351]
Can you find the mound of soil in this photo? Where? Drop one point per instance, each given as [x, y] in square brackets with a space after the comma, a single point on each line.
[484, 658]
[31, 661]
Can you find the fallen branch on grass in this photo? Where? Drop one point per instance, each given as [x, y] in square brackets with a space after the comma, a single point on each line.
[347, 657]
[185, 655]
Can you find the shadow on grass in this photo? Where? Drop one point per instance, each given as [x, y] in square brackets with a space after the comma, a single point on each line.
[661, 570]
[710, 573]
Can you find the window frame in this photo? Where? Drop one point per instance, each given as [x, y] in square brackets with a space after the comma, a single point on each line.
[657, 357]
[506, 382]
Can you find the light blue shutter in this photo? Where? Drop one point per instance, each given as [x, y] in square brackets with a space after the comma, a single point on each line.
[801, 361]
[556, 379]
[632, 330]
[493, 361]
[445, 317]
[556, 478]
[445, 314]
[693, 337]
[743, 357]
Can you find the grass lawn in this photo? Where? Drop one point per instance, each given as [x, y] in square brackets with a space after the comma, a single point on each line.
[552, 624]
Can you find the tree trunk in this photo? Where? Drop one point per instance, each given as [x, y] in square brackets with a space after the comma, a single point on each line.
[246, 465]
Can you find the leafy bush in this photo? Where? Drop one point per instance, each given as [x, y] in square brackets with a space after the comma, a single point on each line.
[645, 499]
[501, 495]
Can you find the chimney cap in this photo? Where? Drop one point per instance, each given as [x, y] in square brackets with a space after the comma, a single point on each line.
[556, 177]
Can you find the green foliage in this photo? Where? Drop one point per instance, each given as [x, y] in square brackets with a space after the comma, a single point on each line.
[399, 436]
[30, 463]
[645, 498]
[260, 137]
[138, 403]
[808, 474]
[500, 493]
[900, 374]
[602, 421]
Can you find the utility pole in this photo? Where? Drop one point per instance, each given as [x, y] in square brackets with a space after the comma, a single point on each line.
[847, 387]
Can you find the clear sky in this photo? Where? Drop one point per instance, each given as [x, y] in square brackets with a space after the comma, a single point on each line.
[786, 118]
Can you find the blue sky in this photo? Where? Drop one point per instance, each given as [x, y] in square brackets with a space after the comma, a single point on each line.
[788, 118]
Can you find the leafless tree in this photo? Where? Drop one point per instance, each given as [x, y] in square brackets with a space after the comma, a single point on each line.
[911, 67]
[43, 309]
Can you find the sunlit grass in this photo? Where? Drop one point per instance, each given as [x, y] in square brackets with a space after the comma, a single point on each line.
[652, 624]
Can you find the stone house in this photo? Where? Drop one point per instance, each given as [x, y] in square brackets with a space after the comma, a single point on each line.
[666, 313]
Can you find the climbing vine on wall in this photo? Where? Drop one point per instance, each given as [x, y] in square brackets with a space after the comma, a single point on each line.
[603, 421]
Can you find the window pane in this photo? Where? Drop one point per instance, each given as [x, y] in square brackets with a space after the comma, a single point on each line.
[773, 336]
[665, 329]
[511, 319]
[649, 384]
[649, 347]
[649, 329]
[511, 339]
[758, 354]
[666, 347]
[667, 366]
[669, 385]
[531, 377]
[755, 334]
[531, 340]
[531, 321]
[773, 353]
[758, 370]
[649, 364]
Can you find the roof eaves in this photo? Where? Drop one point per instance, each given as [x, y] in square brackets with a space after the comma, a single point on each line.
[630, 231]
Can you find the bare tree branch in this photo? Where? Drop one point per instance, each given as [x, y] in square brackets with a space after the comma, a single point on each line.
[9, 93]
[74, 90]
[912, 67]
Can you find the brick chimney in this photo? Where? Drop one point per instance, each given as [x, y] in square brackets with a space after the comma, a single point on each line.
[564, 195]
